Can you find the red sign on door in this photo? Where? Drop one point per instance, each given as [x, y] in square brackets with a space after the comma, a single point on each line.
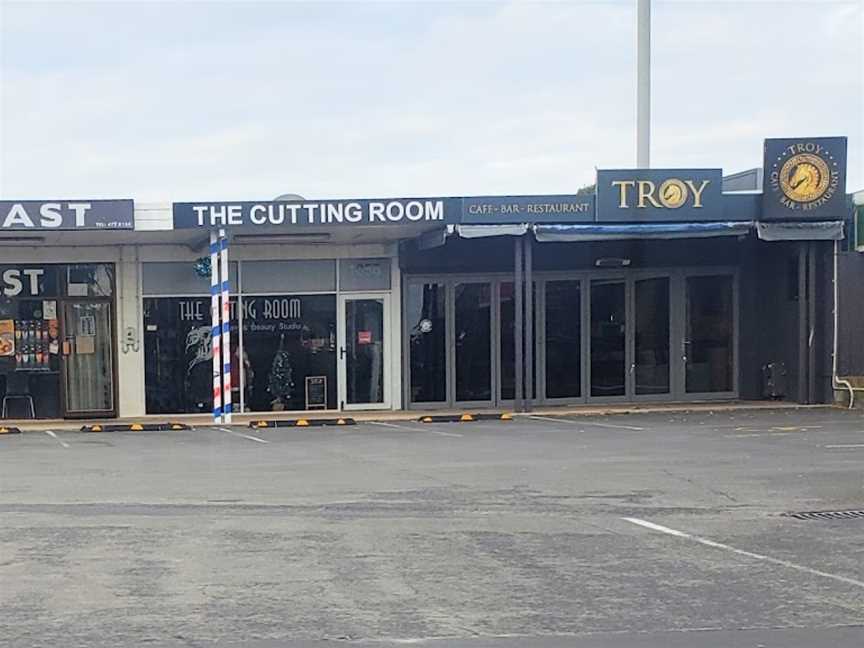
[364, 337]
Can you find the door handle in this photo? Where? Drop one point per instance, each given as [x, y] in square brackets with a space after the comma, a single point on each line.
[342, 352]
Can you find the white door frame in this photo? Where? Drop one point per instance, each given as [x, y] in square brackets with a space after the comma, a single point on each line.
[341, 356]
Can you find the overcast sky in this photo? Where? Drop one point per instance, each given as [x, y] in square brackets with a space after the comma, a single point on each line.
[220, 100]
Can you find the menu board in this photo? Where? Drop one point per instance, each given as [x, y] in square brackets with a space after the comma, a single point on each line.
[316, 392]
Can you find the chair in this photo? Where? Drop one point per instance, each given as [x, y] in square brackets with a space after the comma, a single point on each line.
[18, 388]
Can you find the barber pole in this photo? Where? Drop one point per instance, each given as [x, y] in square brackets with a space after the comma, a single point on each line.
[215, 327]
[226, 331]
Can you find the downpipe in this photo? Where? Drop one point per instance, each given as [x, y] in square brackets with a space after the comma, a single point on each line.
[836, 381]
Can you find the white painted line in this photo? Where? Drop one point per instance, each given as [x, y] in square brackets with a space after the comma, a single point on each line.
[416, 429]
[845, 445]
[587, 423]
[741, 552]
[245, 436]
[393, 425]
[56, 438]
[440, 433]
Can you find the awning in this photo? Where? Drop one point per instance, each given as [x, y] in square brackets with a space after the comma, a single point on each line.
[483, 231]
[558, 233]
[818, 231]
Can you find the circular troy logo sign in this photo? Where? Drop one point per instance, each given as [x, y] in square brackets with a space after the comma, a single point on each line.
[804, 177]
[673, 193]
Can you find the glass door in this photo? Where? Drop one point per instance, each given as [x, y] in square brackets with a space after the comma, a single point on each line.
[709, 336]
[364, 352]
[473, 342]
[608, 349]
[88, 361]
[652, 341]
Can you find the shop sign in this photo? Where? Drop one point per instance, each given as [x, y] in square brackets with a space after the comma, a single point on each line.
[330, 213]
[653, 195]
[28, 282]
[61, 215]
[559, 208]
[804, 178]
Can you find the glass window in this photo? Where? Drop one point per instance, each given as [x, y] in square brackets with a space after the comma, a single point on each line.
[182, 278]
[710, 326]
[563, 339]
[178, 355]
[29, 358]
[286, 339]
[277, 277]
[364, 274]
[652, 336]
[427, 346]
[607, 338]
[90, 280]
[473, 342]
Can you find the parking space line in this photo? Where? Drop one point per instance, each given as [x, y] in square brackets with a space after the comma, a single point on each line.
[415, 429]
[245, 436]
[587, 423]
[56, 438]
[845, 445]
[741, 552]
[394, 425]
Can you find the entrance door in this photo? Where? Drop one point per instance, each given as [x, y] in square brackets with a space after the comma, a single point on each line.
[88, 366]
[708, 347]
[608, 348]
[364, 352]
[651, 370]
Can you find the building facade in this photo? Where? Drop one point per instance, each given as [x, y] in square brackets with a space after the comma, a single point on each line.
[657, 286]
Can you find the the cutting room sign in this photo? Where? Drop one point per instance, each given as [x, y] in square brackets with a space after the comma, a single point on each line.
[67, 215]
[335, 213]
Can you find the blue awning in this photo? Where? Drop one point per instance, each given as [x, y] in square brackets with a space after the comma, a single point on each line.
[558, 233]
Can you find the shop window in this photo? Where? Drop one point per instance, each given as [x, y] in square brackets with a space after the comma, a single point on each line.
[182, 278]
[274, 277]
[364, 274]
[178, 355]
[425, 316]
[89, 280]
[287, 339]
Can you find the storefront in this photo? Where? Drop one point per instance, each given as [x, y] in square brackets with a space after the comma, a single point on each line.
[290, 319]
[654, 286]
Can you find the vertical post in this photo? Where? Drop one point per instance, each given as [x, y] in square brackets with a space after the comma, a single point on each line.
[803, 329]
[811, 321]
[529, 320]
[215, 327]
[226, 329]
[518, 316]
[643, 83]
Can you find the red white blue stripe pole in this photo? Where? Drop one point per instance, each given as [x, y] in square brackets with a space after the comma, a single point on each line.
[215, 327]
[226, 331]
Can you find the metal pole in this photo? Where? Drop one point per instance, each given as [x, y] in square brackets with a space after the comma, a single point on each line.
[643, 84]
[215, 328]
[529, 321]
[811, 322]
[519, 317]
[226, 329]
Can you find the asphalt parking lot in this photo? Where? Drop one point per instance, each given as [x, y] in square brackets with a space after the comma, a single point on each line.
[632, 530]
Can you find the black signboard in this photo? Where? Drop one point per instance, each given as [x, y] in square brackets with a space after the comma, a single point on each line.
[316, 392]
[804, 177]
[558, 208]
[331, 213]
[657, 195]
[41, 215]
